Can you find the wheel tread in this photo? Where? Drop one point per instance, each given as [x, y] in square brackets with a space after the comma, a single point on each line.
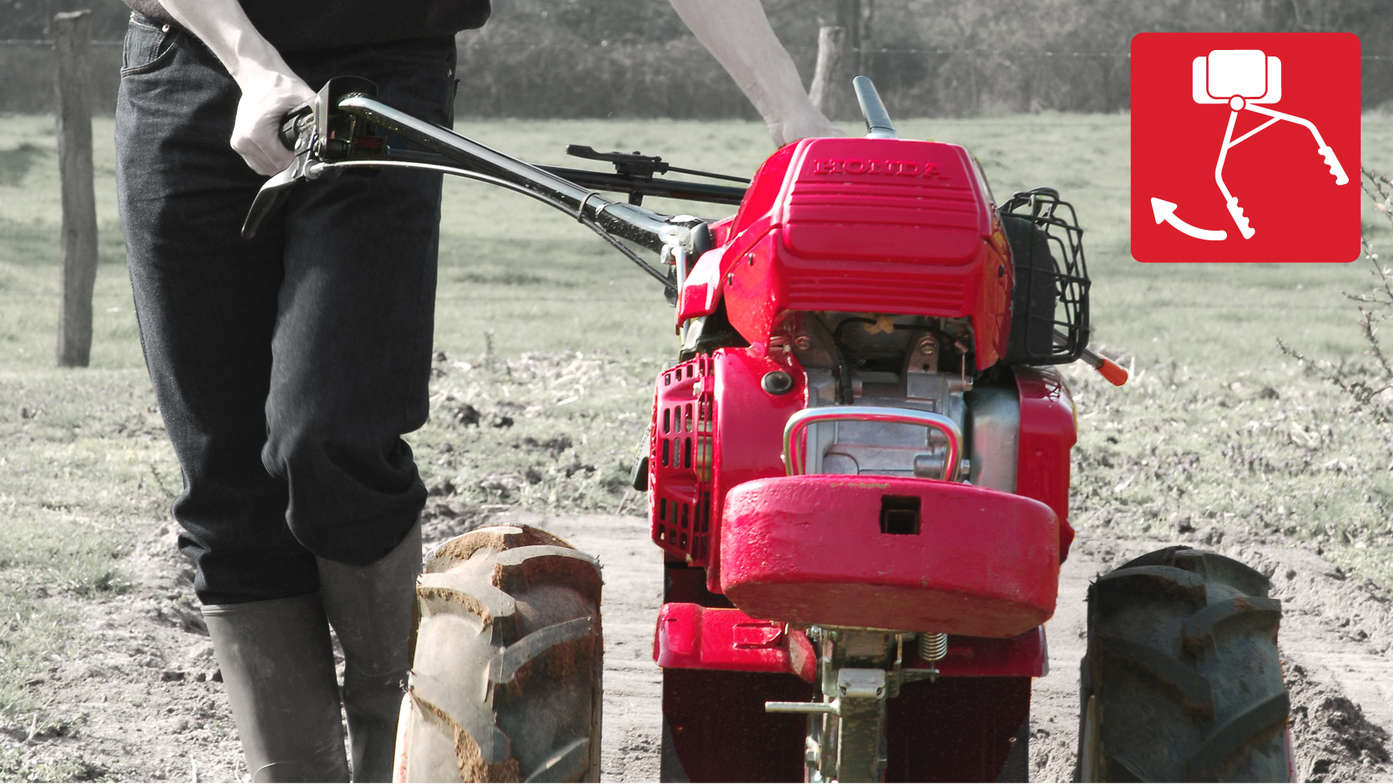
[1209, 564]
[1196, 696]
[567, 764]
[1201, 626]
[450, 593]
[1197, 632]
[448, 703]
[515, 570]
[1120, 768]
[1239, 732]
[521, 586]
[493, 538]
[1152, 581]
[505, 666]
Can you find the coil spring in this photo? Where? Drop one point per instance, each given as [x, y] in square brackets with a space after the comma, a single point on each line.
[932, 646]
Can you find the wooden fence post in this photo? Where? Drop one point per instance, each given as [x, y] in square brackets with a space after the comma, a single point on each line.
[827, 72]
[71, 31]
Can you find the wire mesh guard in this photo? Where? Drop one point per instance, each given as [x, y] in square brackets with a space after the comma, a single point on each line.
[1052, 292]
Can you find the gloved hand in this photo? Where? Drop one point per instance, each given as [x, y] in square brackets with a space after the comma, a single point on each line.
[267, 95]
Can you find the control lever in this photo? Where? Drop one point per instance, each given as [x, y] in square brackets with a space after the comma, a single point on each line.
[316, 129]
[1113, 372]
[636, 164]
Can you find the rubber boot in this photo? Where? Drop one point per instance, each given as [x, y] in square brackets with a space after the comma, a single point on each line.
[370, 607]
[278, 668]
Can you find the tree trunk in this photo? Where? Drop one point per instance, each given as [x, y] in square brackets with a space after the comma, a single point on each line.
[830, 43]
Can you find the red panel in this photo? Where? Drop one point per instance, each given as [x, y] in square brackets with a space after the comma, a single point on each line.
[809, 549]
[693, 637]
[768, 183]
[720, 230]
[1048, 432]
[749, 427]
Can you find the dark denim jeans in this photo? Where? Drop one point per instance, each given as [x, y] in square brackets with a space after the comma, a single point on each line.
[287, 367]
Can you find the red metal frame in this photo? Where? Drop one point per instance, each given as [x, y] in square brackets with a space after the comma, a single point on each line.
[694, 637]
[691, 636]
[864, 226]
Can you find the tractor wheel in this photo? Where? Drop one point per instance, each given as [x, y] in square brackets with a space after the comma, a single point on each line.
[506, 662]
[1181, 681]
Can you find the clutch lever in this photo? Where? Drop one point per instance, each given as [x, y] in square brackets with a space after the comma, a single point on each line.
[313, 132]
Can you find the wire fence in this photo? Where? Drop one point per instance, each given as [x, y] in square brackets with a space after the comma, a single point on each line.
[874, 51]
[681, 80]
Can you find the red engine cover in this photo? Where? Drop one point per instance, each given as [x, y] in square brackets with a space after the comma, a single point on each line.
[862, 225]
[813, 550]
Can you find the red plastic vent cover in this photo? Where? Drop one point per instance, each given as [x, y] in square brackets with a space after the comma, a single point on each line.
[679, 460]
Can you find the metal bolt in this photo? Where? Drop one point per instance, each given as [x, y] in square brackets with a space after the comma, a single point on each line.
[777, 382]
[928, 345]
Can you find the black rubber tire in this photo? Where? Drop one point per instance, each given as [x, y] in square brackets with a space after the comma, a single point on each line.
[1182, 681]
[506, 662]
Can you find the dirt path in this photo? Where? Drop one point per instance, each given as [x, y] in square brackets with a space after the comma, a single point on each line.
[1336, 636]
[142, 703]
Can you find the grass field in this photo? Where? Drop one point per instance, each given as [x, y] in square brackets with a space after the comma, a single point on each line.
[552, 340]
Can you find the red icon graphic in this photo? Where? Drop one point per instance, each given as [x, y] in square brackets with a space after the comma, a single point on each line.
[1242, 144]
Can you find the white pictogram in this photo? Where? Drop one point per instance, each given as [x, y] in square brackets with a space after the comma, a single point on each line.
[1164, 212]
[1245, 79]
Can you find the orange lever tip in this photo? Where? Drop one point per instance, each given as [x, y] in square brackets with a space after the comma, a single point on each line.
[1112, 371]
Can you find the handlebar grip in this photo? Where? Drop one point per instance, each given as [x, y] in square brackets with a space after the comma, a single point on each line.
[292, 125]
[1334, 163]
[1244, 227]
[1113, 372]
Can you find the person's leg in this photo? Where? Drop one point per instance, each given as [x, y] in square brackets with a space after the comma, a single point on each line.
[206, 306]
[350, 375]
[206, 303]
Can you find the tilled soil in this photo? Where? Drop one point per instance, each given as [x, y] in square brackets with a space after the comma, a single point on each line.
[142, 701]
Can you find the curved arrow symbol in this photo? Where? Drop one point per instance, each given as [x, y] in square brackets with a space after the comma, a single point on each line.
[1164, 212]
